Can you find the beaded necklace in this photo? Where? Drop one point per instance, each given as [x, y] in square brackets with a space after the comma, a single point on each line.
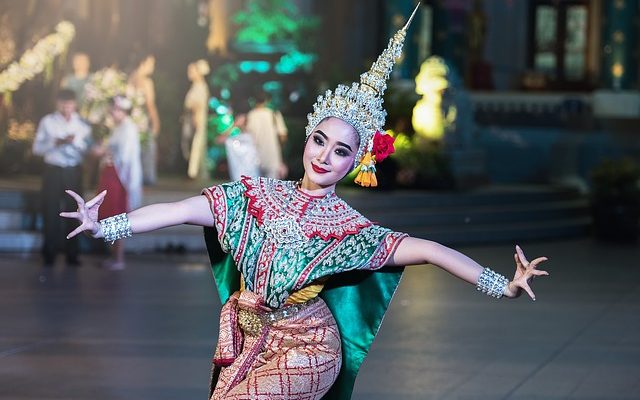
[286, 231]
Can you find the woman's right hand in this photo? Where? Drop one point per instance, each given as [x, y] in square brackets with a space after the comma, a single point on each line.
[87, 214]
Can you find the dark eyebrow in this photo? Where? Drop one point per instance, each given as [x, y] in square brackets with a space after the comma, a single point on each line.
[339, 143]
[322, 133]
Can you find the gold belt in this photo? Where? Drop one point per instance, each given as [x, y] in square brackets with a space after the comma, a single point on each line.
[252, 322]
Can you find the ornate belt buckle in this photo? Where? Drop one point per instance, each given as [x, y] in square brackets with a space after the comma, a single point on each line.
[250, 322]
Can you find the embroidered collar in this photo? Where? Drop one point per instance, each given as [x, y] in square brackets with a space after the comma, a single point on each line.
[326, 217]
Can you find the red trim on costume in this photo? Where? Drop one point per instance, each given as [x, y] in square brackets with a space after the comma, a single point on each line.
[330, 218]
[218, 206]
[263, 268]
[386, 248]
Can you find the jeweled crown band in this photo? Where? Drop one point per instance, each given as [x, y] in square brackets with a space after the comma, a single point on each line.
[492, 283]
[116, 227]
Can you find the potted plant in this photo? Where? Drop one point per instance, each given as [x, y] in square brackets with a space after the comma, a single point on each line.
[615, 200]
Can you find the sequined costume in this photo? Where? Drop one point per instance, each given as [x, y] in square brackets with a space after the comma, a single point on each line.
[278, 338]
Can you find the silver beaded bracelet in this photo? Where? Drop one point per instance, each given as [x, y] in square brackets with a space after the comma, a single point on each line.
[116, 227]
[492, 283]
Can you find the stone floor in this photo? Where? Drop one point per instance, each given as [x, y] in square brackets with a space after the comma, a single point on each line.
[147, 332]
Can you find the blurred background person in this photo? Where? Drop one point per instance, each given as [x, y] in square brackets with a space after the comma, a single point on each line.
[77, 80]
[268, 130]
[194, 129]
[140, 79]
[62, 140]
[121, 171]
[242, 155]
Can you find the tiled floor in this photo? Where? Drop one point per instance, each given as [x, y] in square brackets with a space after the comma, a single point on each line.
[148, 332]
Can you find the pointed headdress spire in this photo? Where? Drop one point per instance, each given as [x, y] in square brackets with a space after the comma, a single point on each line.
[360, 104]
[376, 78]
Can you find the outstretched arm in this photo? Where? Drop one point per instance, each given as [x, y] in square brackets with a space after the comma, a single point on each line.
[414, 251]
[193, 211]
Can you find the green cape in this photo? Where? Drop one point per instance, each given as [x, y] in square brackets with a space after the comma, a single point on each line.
[357, 300]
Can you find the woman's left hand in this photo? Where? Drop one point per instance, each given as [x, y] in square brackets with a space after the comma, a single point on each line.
[525, 272]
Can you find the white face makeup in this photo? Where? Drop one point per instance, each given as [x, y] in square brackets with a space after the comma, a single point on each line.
[330, 151]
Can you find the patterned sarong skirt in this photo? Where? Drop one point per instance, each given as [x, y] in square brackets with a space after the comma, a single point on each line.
[263, 354]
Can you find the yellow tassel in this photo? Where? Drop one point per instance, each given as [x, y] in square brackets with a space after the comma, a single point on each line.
[367, 175]
[358, 179]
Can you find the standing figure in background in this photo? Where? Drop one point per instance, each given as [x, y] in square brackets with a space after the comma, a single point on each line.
[194, 129]
[140, 79]
[242, 155]
[269, 131]
[121, 171]
[77, 80]
[62, 139]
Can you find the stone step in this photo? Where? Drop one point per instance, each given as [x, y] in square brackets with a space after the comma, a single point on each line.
[20, 241]
[360, 199]
[190, 238]
[469, 216]
[505, 233]
[428, 216]
[178, 237]
[495, 197]
[11, 220]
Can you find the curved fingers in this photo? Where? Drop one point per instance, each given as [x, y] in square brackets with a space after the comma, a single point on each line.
[73, 214]
[79, 229]
[525, 286]
[538, 272]
[521, 255]
[76, 197]
[534, 263]
[98, 199]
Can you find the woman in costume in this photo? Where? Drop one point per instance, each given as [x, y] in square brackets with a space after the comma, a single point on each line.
[194, 129]
[120, 171]
[294, 264]
[140, 80]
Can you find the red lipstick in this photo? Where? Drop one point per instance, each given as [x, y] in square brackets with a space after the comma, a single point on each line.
[318, 169]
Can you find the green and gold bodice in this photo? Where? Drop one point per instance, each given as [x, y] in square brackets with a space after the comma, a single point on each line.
[283, 239]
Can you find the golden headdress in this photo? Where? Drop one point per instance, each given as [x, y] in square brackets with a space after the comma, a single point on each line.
[361, 105]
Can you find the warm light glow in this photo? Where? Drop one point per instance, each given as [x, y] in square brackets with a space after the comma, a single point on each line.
[618, 37]
[21, 131]
[218, 26]
[617, 70]
[428, 119]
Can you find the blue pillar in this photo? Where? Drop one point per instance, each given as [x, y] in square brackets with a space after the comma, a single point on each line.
[620, 44]
[449, 32]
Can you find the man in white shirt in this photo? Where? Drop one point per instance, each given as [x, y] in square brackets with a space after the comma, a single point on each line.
[62, 140]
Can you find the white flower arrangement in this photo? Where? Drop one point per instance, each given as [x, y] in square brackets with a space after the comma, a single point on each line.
[36, 59]
[101, 88]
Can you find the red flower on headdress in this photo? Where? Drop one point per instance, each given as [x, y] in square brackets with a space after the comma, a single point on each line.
[382, 146]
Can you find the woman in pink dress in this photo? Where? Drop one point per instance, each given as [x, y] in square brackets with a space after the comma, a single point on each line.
[121, 172]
